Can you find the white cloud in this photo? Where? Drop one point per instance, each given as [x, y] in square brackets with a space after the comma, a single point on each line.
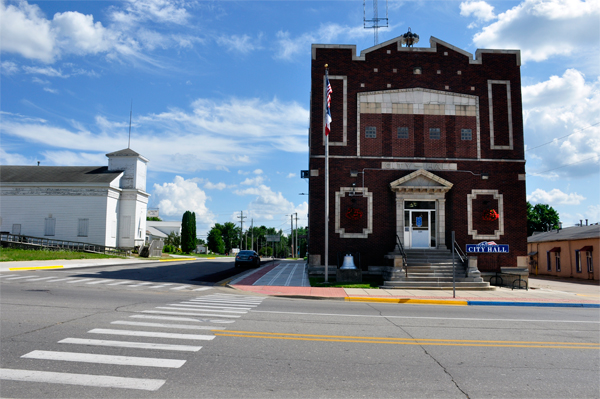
[204, 135]
[258, 171]
[50, 90]
[72, 158]
[7, 158]
[543, 28]
[9, 68]
[555, 197]
[212, 186]
[256, 181]
[289, 176]
[592, 214]
[240, 43]
[25, 31]
[47, 71]
[481, 10]
[182, 195]
[267, 203]
[288, 47]
[152, 10]
[561, 106]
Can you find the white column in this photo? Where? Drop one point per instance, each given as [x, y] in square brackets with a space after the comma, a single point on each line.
[441, 216]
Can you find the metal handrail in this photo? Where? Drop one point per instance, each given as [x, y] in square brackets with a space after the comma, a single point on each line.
[461, 254]
[44, 242]
[401, 248]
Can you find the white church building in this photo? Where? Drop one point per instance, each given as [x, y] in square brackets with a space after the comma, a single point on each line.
[93, 204]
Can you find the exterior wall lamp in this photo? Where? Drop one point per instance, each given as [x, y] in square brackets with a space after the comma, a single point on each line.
[485, 176]
[354, 173]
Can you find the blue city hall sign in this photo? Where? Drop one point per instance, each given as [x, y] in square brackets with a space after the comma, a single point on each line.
[487, 247]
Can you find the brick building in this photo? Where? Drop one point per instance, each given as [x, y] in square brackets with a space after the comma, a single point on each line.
[423, 142]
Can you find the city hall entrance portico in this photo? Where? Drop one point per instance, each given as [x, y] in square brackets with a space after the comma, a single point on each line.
[421, 209]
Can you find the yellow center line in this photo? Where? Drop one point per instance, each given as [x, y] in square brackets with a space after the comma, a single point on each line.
[36, 267]
[406, 341]
[176, 260]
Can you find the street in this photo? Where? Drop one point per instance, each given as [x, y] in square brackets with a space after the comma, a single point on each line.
[81, 337]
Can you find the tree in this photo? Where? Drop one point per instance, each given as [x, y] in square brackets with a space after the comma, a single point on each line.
[230, 234]
[541, 217]
[215, 241]
[153, 219]
[173, 239]
[188, 232]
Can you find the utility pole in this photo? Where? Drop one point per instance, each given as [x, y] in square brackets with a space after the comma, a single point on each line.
[242, 217]
[292, 233]
[297, 249]
[252, 230]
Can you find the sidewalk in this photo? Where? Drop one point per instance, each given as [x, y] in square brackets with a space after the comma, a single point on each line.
[76, 263]
[542, 292]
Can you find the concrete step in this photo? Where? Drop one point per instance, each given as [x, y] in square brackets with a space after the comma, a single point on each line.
[419, 285]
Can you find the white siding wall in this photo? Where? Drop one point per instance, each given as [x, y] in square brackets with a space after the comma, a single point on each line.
[31, 212]
[132, 218]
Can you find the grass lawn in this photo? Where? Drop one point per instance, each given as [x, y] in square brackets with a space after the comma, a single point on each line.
[14, 254]
[369, 282]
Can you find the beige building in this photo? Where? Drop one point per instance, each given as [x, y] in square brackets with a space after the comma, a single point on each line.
[570, 252]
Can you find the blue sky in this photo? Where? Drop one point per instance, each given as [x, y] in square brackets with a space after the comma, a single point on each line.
[220, 92]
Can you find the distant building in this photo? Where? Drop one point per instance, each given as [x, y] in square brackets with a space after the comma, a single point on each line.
[423, 142]
[569, 252]
[159, 230]
[103, 205]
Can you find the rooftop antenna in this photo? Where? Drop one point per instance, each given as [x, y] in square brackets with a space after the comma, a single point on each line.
[130, 114]
[376, 22]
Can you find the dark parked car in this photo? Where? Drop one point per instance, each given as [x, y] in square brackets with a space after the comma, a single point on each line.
[247, 258]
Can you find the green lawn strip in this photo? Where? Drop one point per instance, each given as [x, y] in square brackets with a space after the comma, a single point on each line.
[368, 283]
[15, 254]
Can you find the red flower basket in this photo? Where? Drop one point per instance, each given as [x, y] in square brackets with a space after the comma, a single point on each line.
[490, 215]
[354, 213]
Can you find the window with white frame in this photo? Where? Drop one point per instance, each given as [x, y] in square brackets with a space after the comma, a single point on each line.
[557, 261]
[435, 133]
[82, 230]
[466, 134]
[578, 267]
[50, 226]
[371, 132]
[548, 262]
[590, 265]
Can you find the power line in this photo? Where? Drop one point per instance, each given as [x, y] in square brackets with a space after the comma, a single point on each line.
[560, 138]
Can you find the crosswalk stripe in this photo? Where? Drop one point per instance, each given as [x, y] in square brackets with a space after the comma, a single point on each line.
[103, 381]
[61, 279]
[152, 334]
[188, 314]
[180, 288]
[203, 289]
[79, 281]
[225, 301]
[143, 316]
[128, 344]
[190, 307]
[162, 325]
[215, 306]
[8, 275]
[139, 284]
[99, 282]
[105, 359]
[121, 282]
[18, 278]
[160, 286]
[41, 278]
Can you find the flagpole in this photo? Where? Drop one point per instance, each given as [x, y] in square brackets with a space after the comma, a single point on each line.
[327, 181]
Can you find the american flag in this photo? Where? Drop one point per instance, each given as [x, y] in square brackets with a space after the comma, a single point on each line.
[328, 117]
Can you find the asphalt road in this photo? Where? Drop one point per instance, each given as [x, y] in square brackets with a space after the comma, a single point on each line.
[62, 339]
